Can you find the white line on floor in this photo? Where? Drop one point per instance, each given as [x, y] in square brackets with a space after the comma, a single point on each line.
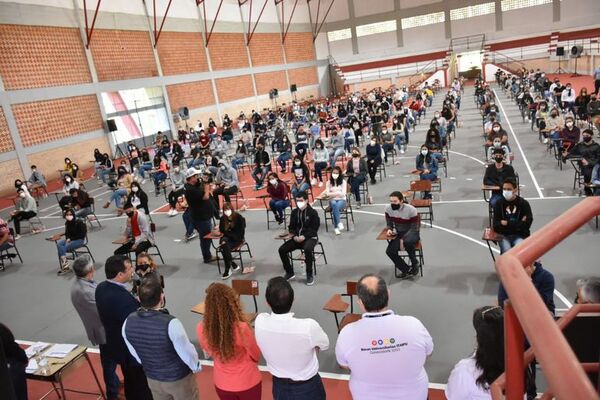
[454, 152]
[535, 183]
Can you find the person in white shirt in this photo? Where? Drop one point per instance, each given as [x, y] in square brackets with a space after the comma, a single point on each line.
[471, 377]
[290, 346]
[385, 352]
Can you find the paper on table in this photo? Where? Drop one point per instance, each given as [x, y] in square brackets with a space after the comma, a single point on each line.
[30, 351]
[32, 366]
[60, 350]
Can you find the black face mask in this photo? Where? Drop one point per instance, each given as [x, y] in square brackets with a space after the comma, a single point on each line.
[130, 214]
[142, 267]
[587, 139]
[499, 159]
[395, 207]
[355, 155]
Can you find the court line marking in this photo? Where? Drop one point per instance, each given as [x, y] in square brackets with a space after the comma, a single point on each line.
[455, 152]
[535, 182]
[263, 368]
[495, 250]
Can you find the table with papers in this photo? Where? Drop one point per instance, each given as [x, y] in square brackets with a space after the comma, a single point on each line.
[49, 361]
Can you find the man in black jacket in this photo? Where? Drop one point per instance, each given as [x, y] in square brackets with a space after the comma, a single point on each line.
[589, 152]
[262, 165]
[115, 303]
[304, 225]
[200, 209]
[512, 216]
[496, 174]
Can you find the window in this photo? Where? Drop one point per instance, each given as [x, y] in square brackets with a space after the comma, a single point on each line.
[422, 20]
[339, 35]
[472, 11]
[378, 27]
[508, 5]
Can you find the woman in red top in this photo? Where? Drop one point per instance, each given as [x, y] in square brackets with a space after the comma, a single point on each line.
[278, 190]
[229, 340]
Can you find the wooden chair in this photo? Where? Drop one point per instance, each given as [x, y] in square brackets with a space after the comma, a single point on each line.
[578, 178]
[84, 249]
[236, 254]
[7, 254]
[243, 287]
[424, 206]
[318, 252]
[345, 213]
[490, 236]
[271, 215]
[336, 306]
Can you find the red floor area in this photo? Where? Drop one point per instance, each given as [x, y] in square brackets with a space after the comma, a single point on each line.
[577, 82]
[80, 378]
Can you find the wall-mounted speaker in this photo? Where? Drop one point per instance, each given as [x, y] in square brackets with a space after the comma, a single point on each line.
[111, 124]
[576, 51]
[184, 113]
[560, 51]
[293, 88]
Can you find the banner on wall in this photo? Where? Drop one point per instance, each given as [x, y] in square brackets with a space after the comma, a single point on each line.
[138, 113]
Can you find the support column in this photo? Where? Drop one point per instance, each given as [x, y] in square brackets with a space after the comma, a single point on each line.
[555, 10]
[14, 133]
[352, 21]
[399, 33]
[499, 15]
[209, 64]
[447, 23]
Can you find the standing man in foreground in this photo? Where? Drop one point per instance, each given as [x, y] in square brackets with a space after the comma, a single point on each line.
[290, 346]
[385, 352]
[201, 209]
[115, 302]
[83, 298]
[158, 341]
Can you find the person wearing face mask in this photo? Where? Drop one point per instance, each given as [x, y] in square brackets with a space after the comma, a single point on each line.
[159, 172]
[138, 198]
[304, 225]
[25, 209]
[335, 190]
[512, 216]
[581, 103]
[593, 110]
[554, 124]
[226, 181]
[439, 122]
[433, 143]
[37, 180]
[497, 144]
[301, 141]
[75, 233]
[373, 152]
[233, 228]
[220, 147]
[569, 135]
[595, 179]
[320, 157]
[177, 189]
[387, 142]
[356, 171]
[589, 152]
[137, 232]
[239, 157]
[496, 173]
[285, 153]
[168, 358]
[278, 190]
[81, 203]
[68, 168]
[402, 221]
[262, 166]
[496, 132]
[427, 166]
[336, 144]
[301, 177]
[122, 187]
[145, 268]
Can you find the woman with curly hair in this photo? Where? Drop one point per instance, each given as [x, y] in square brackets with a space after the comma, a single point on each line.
[229, 340]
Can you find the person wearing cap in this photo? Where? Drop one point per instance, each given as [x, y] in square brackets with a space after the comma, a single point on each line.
[200, 209]
[226, 180]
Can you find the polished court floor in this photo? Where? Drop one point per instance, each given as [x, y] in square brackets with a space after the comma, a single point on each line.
[458, 276]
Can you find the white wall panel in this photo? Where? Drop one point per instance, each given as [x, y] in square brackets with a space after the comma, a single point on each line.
[425, 38]
[470, 26]
[321, 46]
[51, 3]
[415, 3]
[339, 10]
[377, 42]
[341, 50]
[369, 7]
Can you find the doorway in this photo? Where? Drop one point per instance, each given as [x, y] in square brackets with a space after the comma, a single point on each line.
[469, 64]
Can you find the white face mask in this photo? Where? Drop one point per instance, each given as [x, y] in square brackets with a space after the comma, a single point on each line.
[273, 182]
[301, 204]
[22, 195]
[497, 144]
[135, 189]
[508, 194]
[177, 170]
[69, 218]
[227, 213]
[424, 152]
[496, 129]
[335, 176]
[297, 163]
[569, 124]
[373, 142]
[68, 180]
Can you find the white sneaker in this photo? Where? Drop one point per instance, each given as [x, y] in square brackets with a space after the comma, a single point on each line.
[340, 226]
[337, 231]
[320, 184]
[313, 181]
[402, 150]
[143, 181]
[545, 140]
[175, 212]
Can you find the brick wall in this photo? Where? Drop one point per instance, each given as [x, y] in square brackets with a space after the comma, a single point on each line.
[11, 170]
[191, 95]
[228, 51]
[45, 121]
[120, 54]
[181, 53]
[36, 56]
[303, 76]
[80, 153]
[299, 46]
[269, 80]
[6, 143]
[265, 49]
[234, 88]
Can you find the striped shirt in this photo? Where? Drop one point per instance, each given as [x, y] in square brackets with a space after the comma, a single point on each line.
[403, 219]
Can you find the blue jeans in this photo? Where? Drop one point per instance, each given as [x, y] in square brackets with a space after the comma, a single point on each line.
[83, 212]
[236, 162]
[146, 166]
[204, 226]
[187, 222]
[116, 196]
[104, 175]
[400, 140]
[64, 247]
[336, 205]
[297, 190]
[301, 149]
[194, 162]
[355, 183]
[159, 177]
[311, 389]
[494, 199]
[109, 368]
[387, 148]
[509, 242]
[348, 143]
[278, 207]
[319, 166]
[283, 159]
[262, 171]
[333, 155]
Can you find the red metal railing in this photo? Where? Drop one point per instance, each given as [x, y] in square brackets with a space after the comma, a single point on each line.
[526, 315]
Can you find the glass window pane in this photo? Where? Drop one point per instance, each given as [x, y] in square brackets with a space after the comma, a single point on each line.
[472, 11]
[378, 27]
[422, 20]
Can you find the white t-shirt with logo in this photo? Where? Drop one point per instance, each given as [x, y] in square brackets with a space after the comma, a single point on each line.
[386, 354]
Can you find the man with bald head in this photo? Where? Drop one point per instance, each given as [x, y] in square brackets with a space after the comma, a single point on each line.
[384, 352]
